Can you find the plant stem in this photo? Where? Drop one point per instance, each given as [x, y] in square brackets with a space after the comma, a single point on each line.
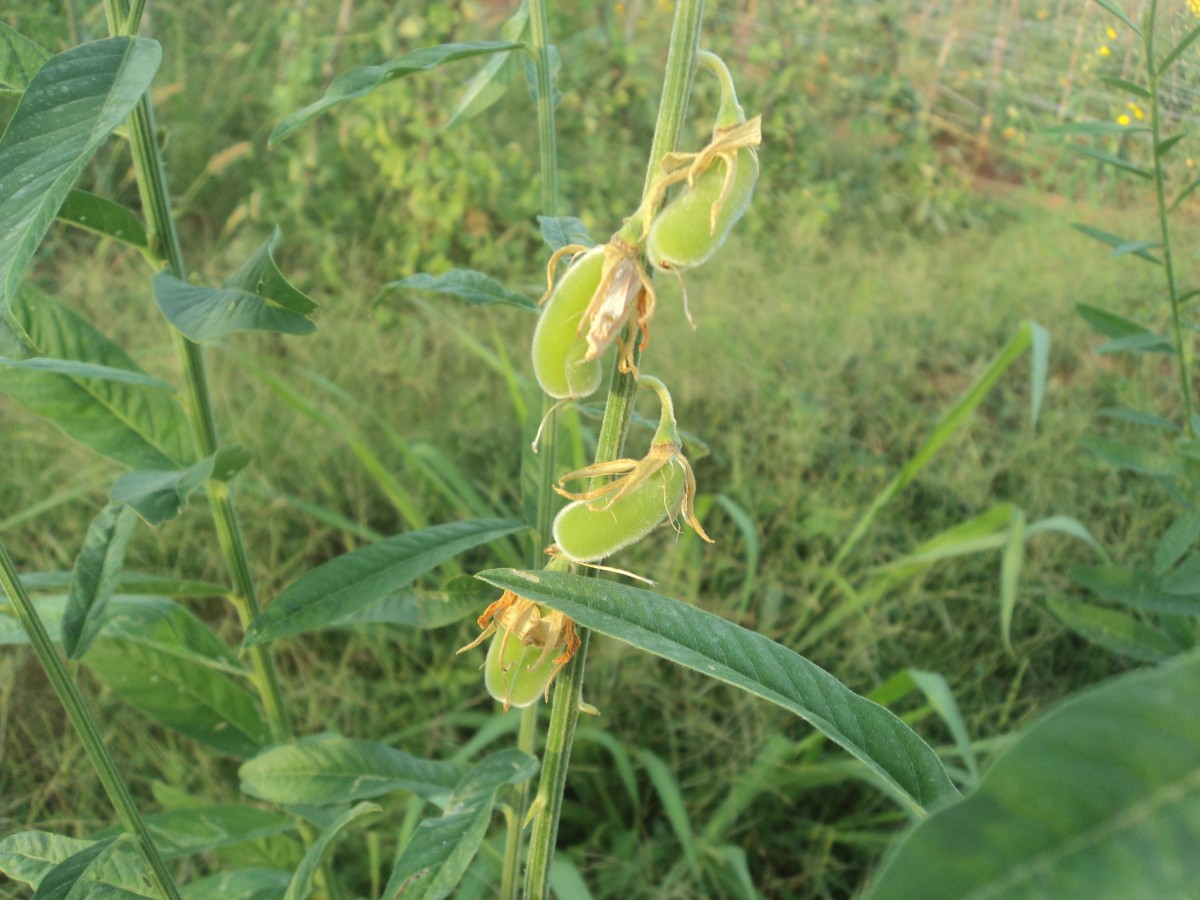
[568, 691]
[164, 242]
[85, 725]
[547, 146]
[1181, 350]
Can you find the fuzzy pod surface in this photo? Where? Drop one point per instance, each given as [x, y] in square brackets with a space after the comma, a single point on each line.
[682, 236]
[588, 531]
[559, 351]
[507, 672]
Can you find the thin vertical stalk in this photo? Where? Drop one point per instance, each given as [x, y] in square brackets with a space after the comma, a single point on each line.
[1181, 350]
[568, 691]
[510, 880]
[85, 726]
[164, 242]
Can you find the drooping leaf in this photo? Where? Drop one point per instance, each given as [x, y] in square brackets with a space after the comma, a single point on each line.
[104, 216]
[474, 287]
[898, 759]
[1100, 797]
[94, 580]
[20, 58]
[1134, 588]
[350, 582]
[1106, 237]
[326, 770]
[159, 496]
[441, 849]
[560, 231]
[239, 884]
[68, 109]
[137, 425]
[1133, 247]
[1113, 629]
[1116, 11]
[205, 314]
[361, 81]
[302, 880]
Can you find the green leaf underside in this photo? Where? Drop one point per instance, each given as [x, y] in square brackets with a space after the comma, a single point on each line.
[138, 426]
[1111, 324]
[105, 217]
[361, 81]
[68, 109]
[441, 849]
[466, 284]
[20, 58]
[326, 770]
[1139, 590]
[904, 764]
[1098, 798]
[302, 880]
[205, 314]
[128, 583]
[350, 582]
[485, 88]
[560, 231]
[94, 580]
[261, 276]
[423, 610]
[1113, 629]
[159, 496]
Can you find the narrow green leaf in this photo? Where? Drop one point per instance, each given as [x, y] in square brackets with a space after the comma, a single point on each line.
[1111, 160]
[72, 369]
[1113, 629]
[103, 216]
[1184, 194]
[1039, 370]
[326, 770]
[128, 583]
[94, 580]
[159, 496]
[937, 691]
[1124, 456]
[1100, 797]
[302, 881]
[1132, 247]
[440, 850]
[1137, 417]
[667, 788]
[1090, 128]
[1176, 541]
[904, 764]
[1165, 145]
[26, 856]
[239, 884]
[1137, 343]
[361, 81]
[1178, 49]
[137, 425]
[1185, 579]
[1112, 240]
[1116, 11]
[1011, 562]
[205, 314]
[1133, 588]
[1125, 85]
[343, 585]
[474, 287]
[491, 82]
[1064, 525]
[68, 109]
[423, 610]
[20, 58]
[560, 231]
[1110, 324]
[260, 276]
[61, 881]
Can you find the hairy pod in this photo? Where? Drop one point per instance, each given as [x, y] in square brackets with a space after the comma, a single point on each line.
[588, 531]
[517, 674]
[559, 352]
[686, 232]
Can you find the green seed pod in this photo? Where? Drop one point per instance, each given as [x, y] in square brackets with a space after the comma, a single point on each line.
[559, 352]
[517, 674]
[685, 234]
[589, 531]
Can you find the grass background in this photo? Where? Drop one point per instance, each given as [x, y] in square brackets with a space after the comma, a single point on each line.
[892, 249]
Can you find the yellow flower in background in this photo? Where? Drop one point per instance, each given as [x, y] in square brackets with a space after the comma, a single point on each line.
[1123, 119]
[1195, 5]
[1104, 51]
[1112, 33]
[1137, 110]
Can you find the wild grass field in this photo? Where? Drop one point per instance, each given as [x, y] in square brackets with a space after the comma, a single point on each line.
[880, 270]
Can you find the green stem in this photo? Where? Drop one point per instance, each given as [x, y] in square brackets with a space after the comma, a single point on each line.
[85, 725]
[1181, 350]
[540, 31]
[568, 691]
[164, 242]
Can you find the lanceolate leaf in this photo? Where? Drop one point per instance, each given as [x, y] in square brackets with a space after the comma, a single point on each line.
[441, 849]
[68, 109]
[1124, 84]
[76, 870]
[361, 81]
[1139, 590]
[20, 58]
[1177, 51]
[1116, 11]
[139, 426]
[69, 368]
[104, 216]
[904, 764]
[95, 577]
[559, 231]
[205, 314]
[1114, 161]
[1112, 240]
[492, 81]
[474, 287]
[1098, 798]
[1113, 629]
[341, 586]
[327, 770]
[159, 496]
[302, 881]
